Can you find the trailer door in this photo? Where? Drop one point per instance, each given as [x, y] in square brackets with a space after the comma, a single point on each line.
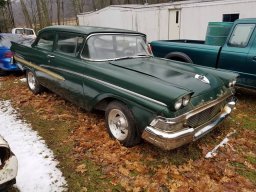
[174, 24]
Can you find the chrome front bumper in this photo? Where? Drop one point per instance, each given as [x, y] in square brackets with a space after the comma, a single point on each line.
[8, 172]
[170, 139]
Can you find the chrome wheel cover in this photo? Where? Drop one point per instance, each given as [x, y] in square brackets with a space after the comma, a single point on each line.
[118, 124]
[31, 80]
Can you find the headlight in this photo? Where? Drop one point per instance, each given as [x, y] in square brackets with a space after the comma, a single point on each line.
[178, 104]
[185, 100]
[234, 83]
[182, 102]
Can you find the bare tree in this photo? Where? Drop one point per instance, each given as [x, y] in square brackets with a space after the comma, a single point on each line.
[26, 14]
[45, 13]
[58, 10]
[7, 19]
[39, 13]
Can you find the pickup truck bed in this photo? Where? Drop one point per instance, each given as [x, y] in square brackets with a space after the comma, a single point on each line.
[163, 48]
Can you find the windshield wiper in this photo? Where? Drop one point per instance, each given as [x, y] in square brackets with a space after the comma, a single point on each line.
[143, 55]
[122, 58]
[131, 57]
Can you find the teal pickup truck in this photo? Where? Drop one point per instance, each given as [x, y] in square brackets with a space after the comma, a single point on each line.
[238, 54]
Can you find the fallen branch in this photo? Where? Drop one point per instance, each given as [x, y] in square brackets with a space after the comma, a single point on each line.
[213, 152]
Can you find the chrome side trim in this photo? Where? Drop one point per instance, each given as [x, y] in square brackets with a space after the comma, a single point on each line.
[39, 68]
[109, 85]
[117, 33]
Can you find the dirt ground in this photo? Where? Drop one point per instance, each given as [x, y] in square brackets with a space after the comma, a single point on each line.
[91, 161]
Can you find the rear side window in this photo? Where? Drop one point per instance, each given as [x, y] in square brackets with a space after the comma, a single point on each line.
[69, 43]
[46, 41]
[241, 35]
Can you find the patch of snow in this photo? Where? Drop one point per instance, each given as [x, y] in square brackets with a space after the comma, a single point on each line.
[37, 169]
[214, 152]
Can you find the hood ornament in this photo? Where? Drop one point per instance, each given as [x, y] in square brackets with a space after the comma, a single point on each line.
[202, 78]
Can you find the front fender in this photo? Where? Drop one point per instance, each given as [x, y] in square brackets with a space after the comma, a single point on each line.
[143, 113]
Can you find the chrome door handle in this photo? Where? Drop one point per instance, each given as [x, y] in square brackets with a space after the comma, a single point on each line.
[50, 56]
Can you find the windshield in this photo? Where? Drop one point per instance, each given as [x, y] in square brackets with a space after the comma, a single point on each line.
[115, 46]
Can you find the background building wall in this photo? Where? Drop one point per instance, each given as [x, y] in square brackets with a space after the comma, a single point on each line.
[154, 20]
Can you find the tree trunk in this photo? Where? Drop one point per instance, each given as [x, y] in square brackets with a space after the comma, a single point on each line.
[45, 13]
[58, 11]
[39, 13]
[28, 19]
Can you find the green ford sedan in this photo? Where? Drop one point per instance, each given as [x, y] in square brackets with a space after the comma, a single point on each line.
[167, 103]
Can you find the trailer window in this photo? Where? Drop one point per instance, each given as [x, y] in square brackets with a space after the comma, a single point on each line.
[230, 17]
[241, 35]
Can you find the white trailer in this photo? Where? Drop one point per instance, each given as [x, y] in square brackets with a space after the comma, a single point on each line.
[176, 20]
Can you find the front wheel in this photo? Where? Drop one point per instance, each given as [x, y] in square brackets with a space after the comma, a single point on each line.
[33, 83]
[121, 124]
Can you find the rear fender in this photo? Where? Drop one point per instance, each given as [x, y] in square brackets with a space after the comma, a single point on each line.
[179, 56]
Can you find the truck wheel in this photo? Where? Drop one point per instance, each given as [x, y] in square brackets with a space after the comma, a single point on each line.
[121, 124]
[177, 56]
[33, 83]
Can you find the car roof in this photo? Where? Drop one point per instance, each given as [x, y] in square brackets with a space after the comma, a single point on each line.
[87, 30]
[246, 20]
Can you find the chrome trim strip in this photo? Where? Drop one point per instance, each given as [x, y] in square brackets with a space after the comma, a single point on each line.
[114, 59]
[39, 68]
[108, 84]
[117, 33]
[165, 135]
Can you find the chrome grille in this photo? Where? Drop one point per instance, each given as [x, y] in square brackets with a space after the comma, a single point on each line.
[204, 116]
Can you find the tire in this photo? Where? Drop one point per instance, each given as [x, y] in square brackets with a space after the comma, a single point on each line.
[178, 56]
[3, 73]
[33, 83]
[121, 124]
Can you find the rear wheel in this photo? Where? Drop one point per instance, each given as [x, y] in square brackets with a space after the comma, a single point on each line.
[33, 83]
[121, 124]
[2, 72]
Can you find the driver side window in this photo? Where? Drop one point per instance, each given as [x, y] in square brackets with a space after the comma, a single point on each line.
[46, 41]
[241, 35]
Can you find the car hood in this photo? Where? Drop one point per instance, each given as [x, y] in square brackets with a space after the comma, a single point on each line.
[176, 74]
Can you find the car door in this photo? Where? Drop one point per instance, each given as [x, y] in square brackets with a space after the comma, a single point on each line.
[234, 54]
[251, 63]
[65, 62]
[42, 56]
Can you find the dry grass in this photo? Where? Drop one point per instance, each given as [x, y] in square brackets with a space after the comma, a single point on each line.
[91, 161]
